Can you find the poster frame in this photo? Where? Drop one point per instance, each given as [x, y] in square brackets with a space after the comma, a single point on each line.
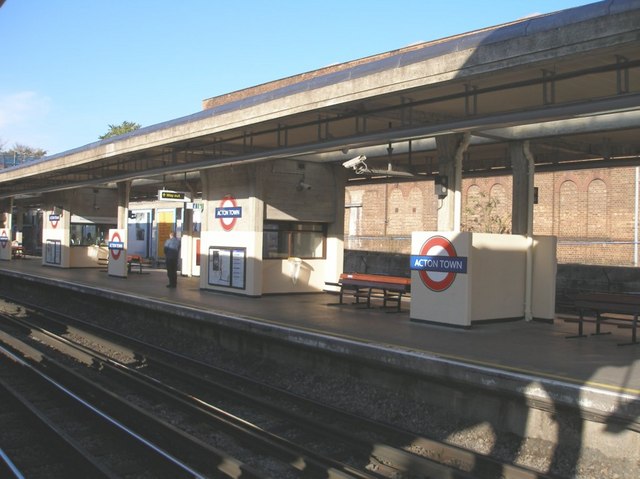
[227, 267]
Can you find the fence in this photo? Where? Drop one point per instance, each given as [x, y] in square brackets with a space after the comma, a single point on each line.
[598, 253]
[13, 159]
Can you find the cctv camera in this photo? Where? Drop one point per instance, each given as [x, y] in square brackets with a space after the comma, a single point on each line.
[303, 186]
[354, 162]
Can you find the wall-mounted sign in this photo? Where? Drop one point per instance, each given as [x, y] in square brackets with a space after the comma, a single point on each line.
[4, 239]
[168, 195]
[228, 213]
[54, 219]
[438, 263]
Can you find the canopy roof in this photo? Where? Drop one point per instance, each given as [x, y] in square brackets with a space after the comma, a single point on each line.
[568, 82]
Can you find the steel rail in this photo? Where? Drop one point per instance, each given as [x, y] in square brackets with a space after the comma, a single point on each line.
[230, 467]
[482, 465]
[301, 458]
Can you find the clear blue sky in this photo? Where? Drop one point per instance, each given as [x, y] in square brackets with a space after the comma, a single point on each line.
[70, 68]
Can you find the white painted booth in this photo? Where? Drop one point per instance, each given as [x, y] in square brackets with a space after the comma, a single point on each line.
[272, 227]
[75, 231]
[5, 237]
[461, 278]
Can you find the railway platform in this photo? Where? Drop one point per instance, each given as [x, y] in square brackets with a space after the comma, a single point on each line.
[538, 349]
[530, 359]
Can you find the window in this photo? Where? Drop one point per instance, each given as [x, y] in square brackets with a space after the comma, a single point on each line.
[283, 239]
[85, 234]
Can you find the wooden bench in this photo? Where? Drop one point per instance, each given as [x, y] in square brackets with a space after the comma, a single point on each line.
[615, 309]
[134, 259]
[17, 251]
[363, 287]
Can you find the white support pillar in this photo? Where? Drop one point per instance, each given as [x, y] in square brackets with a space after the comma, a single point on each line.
[451, 149]
[522, 191]
[124, 189]
[523, 165]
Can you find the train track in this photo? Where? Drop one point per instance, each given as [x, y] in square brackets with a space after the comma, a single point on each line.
[51, 431]
[309, 438]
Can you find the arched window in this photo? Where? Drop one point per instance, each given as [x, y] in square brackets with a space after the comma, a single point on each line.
[568, 212]
[471, 216]
[501, 201]
[415, 215]
[396, 211]
[597, 210]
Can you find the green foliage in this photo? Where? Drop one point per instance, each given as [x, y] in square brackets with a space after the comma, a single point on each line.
[482, 216]
[20, 153]
[26, 151]
[121, 129]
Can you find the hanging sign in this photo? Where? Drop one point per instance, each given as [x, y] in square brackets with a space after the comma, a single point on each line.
[168, 195]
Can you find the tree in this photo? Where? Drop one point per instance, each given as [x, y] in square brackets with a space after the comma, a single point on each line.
[121, 129]
[24, 151]
[482, 216]
[19, 154]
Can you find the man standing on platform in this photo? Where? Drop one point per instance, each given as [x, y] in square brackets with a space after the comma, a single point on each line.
[171, 255]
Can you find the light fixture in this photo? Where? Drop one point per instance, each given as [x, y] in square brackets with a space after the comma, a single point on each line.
[302, 186]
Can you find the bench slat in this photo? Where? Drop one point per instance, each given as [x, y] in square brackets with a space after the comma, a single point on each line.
[621, 310]
[366, 286]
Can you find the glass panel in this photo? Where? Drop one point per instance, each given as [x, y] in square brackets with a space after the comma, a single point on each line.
[308, 245]
[276, 244]
[76, 234]
[285, 239]
[83, 234]
[88, 234]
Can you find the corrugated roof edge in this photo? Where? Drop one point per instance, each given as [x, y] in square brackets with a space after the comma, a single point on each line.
[393, 59]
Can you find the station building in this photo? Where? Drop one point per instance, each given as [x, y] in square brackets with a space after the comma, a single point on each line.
[257, 184]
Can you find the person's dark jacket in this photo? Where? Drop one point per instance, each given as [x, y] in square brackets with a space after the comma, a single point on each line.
[172, 248]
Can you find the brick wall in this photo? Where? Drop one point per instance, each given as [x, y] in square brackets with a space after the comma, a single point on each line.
[591, 211]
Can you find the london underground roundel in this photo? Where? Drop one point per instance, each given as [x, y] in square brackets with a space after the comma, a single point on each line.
[54, 219]
[228, 213]
[116, 246]
[438, 263]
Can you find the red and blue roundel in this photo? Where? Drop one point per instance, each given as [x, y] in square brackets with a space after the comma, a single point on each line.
[54, 219]
[228, 213]
[438, 263]
[116, 246]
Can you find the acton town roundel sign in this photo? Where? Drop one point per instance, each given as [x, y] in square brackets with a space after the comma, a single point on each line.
[116, 246]
[228, 213]
[438, 263]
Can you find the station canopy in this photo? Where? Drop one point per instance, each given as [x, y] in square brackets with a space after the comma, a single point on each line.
[567, 82]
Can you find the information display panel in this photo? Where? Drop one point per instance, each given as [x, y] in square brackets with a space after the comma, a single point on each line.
[227, 267]
[53, 252]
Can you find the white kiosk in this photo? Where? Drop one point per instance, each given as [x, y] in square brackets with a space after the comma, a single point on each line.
[118, 253]
[5, 243]
[461, 278]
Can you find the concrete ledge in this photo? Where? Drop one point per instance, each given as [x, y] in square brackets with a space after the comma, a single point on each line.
[524, 404]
